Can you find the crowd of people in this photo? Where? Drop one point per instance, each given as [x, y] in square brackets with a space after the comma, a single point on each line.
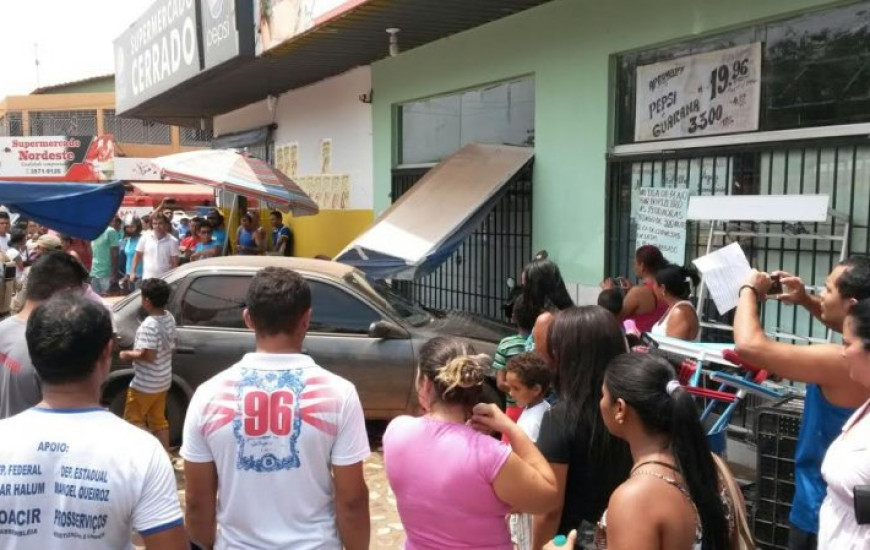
[600, 446]
[134, 247]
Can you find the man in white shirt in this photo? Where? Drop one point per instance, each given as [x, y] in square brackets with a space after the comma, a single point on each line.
[157, 250]
[73, 476]
[5, 224]
[274, 445]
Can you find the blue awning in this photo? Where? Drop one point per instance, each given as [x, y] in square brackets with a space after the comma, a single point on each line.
[81, 210]
[429, 222]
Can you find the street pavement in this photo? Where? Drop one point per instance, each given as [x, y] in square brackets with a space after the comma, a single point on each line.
[387, 532]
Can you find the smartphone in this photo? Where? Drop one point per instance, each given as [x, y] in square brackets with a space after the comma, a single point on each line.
[776, 287]
[862, 504]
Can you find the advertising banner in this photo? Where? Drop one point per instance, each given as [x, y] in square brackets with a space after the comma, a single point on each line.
[280, 20]
[661, 221]
[227, 30]
[698, 95]
[57, 158]
[136, 169]
[159, 51]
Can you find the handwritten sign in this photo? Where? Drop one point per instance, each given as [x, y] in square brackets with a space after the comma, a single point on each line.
[661, 221]
[710, 93]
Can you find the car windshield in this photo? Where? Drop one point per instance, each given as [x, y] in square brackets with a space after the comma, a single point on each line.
[413, 314]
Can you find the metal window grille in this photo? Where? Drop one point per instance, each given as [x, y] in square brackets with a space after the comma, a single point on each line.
[10, 124]
[63, 123]
[131, 130]
[193, 137]
[474, 278]
[838, 167]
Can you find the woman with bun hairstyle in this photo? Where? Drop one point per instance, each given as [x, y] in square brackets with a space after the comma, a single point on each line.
[672, 498]
[454, 485]
[674, 284]
[641, 303]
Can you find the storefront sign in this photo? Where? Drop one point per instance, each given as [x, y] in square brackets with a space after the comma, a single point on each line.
[711, 93]
[280, 20]
[661, 221]
[227, 30]
[158, 52]
[57, 158]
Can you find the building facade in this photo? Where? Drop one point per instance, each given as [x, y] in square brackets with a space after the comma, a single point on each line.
[87, 107]
[562, 76]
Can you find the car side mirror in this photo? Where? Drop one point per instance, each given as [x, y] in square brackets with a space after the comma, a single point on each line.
[387, 330]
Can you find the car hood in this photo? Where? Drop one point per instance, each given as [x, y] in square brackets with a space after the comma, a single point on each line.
[470, 326]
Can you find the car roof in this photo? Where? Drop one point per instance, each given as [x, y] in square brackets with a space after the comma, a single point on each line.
[308, 265]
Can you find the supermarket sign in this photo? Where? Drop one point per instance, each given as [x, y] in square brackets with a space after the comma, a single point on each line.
[57, 158]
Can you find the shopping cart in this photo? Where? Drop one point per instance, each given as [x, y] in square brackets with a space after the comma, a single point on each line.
[712, 362]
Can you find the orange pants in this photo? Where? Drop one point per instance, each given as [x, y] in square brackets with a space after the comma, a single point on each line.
[146, 410]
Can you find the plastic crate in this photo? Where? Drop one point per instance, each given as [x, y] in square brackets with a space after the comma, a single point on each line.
[776, 433]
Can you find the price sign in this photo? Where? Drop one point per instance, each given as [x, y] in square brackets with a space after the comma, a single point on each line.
[711, 93]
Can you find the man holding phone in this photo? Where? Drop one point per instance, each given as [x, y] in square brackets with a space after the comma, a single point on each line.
[831, 395]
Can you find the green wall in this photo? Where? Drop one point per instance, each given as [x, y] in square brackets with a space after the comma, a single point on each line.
[567, 45]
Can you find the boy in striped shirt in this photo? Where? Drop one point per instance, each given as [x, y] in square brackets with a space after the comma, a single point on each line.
[152, 363]
[524, 319]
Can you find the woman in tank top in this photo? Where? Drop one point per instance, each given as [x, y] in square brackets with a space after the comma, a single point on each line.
[672, 500]
[250, 238]
[674, 285]
[641, 304]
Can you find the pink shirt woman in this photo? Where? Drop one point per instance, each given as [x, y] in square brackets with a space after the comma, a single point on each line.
[454, 485]
[442, 474]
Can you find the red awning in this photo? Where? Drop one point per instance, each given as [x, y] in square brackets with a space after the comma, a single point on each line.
[185, 193]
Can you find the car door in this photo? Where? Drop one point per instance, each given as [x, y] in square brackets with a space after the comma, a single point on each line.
[338, 339]
[211, 332]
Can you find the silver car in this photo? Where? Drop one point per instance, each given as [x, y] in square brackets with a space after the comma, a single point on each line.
[361, 330]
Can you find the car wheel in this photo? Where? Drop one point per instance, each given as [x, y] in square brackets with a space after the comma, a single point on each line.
[176, 409]
[117, 398]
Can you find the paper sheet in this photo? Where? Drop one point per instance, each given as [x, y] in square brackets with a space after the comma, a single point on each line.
[724, 271]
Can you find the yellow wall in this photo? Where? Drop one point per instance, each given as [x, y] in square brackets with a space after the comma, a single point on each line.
[328, 232]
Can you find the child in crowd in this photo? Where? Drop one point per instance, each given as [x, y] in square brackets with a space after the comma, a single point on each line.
[152, 363]
[524, 319]
[528, 379]
[611, 299]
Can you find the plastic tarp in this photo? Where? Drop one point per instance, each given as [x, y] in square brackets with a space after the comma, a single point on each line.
[81, 210]
[426, 225]
[183, 192]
